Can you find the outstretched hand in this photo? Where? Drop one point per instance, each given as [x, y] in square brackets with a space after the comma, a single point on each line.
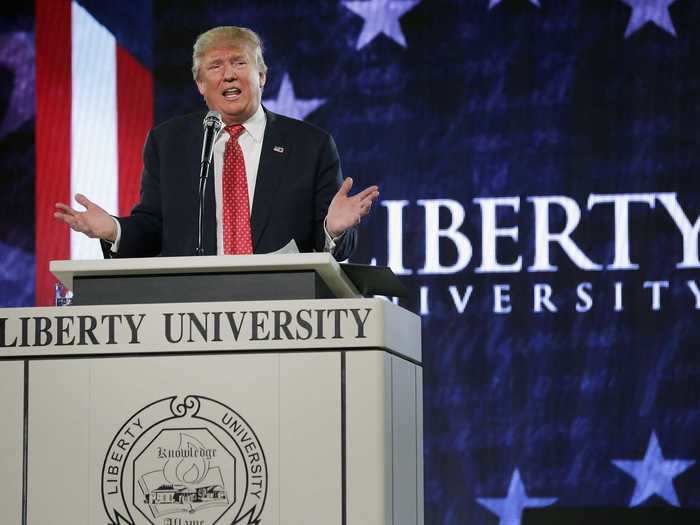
[345, 211]
[93, 222]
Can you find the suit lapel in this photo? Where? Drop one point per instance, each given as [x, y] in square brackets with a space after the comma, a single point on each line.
[271, 169]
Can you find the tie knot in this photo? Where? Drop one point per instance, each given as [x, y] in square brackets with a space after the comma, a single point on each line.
[235, 130]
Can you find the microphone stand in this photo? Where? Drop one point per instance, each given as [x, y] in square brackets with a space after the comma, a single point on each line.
[203, 176]
[212, 128]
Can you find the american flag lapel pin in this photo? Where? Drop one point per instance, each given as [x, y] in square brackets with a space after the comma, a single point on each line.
[278, 149]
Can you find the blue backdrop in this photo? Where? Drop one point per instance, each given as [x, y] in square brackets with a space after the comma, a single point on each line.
[538, 165]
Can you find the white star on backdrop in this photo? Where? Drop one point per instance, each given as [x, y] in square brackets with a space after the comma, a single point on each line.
[510, 508]
[494, 3]
[644, 11]
[287, 104]
[654, 474]
[381, 16]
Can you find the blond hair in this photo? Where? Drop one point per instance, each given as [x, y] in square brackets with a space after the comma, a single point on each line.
[226, 35]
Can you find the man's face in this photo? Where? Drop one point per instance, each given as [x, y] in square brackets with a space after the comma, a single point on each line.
[230, 81]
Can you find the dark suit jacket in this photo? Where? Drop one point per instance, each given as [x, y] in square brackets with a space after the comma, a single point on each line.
[298, 175]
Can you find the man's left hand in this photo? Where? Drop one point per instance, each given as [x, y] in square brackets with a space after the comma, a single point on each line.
[345, 211]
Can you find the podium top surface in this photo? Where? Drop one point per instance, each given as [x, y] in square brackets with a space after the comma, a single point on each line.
[322, 263]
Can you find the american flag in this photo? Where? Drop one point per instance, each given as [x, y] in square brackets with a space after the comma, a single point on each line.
[94, 103]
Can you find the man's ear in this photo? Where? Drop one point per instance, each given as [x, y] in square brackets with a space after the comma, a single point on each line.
[200, 86]
[263, 79]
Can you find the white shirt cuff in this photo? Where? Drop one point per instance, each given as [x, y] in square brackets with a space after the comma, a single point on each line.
[329, 244]
[115, 244]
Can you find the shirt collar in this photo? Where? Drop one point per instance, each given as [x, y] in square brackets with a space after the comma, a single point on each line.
[255, 125]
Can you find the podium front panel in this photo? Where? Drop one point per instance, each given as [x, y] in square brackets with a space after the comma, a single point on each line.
[11, 458]
[369, 469]
[310, 439]
[117, 439]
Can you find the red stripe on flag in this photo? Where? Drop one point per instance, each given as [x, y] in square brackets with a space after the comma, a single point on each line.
[53, 138]
[134, 119]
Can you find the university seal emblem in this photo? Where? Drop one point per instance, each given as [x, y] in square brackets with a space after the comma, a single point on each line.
[184, 461]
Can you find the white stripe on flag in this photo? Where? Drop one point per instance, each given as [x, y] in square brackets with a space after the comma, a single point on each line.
[93, 121]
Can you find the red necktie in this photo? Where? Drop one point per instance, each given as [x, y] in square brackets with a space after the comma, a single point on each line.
[236, 210]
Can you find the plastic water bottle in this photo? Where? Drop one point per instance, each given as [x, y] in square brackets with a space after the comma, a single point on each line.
[63, 295]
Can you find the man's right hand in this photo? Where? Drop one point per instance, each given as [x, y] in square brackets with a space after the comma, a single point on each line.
[93, 222]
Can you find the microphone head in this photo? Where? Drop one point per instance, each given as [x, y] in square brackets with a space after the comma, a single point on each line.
[213, 120]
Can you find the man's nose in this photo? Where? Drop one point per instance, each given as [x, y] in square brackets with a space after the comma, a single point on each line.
[229, 72]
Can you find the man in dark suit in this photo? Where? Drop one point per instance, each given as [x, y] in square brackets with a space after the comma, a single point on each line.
[294, 183]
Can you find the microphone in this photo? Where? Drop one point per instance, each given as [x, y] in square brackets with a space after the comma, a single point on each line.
[212, 127]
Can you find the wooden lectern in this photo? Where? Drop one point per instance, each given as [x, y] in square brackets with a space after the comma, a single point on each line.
[211, 390]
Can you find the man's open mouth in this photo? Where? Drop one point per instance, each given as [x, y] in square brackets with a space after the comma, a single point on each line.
[231, 93]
